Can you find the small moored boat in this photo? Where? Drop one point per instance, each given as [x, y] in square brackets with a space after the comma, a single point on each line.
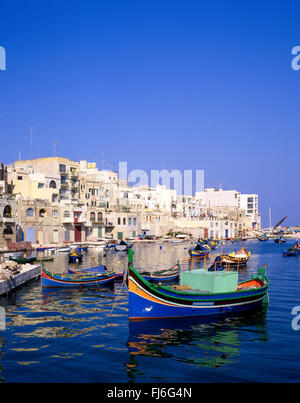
[76, 280]
[75, 257]
[171, 274]
[200, 250]
[123, 246]
[96, 269]
[22, 260]
[239, 258]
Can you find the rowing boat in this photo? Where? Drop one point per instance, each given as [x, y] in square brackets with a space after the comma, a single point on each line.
[76, 280]
[171, 274]
[22, 260]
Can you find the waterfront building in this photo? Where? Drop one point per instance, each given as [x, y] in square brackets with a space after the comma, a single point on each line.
[60, 200]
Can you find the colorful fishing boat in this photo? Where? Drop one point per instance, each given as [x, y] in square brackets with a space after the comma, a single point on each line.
[200, 293]
[239, 258]
[200, 250]
[82, 249]
[293, 251]
[279, 239]
[76, 280]
[262, 237]
[75, 257]
[22, 259]
[290, 252]
[164, 275]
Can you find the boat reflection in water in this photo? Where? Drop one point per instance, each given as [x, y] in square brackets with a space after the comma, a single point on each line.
[210, 342]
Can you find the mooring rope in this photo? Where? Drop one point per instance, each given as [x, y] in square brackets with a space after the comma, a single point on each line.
[118, 295]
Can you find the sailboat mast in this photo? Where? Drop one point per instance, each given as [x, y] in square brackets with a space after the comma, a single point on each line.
[270, 218]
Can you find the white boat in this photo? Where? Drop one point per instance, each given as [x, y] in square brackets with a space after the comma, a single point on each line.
[122, 246]
[65, 249]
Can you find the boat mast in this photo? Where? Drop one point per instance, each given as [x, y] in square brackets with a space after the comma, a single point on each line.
[270, 218]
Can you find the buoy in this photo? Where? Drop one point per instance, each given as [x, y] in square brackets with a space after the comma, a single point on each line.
[119, 263]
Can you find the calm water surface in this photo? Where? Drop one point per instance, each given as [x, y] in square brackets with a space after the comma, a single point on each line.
[85, 336]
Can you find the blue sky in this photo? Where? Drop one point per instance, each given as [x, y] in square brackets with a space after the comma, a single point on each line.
[159, 84]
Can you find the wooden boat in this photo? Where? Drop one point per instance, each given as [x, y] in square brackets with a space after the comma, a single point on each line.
[82, 248]
[64, 249]
[123, 246]
[279, 240]
[22, 260]
[43, 248]
[200, 250]
[293, 251]
[97, 269]
[290, 253]
[76, 280]
[262, 237]
[75, 257]
[239, 258]
[190, 299]
[171, 274]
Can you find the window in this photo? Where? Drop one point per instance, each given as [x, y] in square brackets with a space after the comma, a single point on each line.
[30, 212]
[100, 217]
[62, 168]
[63, 180]
[8, 230]
[129, 221]
[20, 178]
[124, 221]
[125, 196]
[40, 186]
[7, 212]
[42, 213]
[52, 184]
[92, 217]
[54, 213]
[119, 221]
[54, 198]
[66, 214]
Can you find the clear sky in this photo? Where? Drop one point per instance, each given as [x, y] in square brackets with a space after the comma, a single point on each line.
[176, 84]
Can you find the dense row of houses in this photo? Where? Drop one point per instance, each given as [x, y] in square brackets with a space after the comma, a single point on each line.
[55, 200]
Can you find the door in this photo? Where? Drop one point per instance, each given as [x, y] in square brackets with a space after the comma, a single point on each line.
[226, 233]
[30, 234]
[55, 236]
[77, 233]
[99, 232]
[205, 233]
[120, 235]
[20, 235]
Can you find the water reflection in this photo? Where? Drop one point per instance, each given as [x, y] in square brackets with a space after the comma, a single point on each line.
[210, 342]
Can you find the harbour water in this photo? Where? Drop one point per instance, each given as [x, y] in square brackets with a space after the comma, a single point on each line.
[85, 336]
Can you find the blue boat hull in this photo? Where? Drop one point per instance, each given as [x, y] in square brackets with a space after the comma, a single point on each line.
[141, 308]
[56, 280]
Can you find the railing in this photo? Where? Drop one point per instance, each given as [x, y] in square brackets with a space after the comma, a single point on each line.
[189, 264]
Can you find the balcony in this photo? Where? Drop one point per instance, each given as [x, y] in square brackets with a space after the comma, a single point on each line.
[67, 220]
[8, 220]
